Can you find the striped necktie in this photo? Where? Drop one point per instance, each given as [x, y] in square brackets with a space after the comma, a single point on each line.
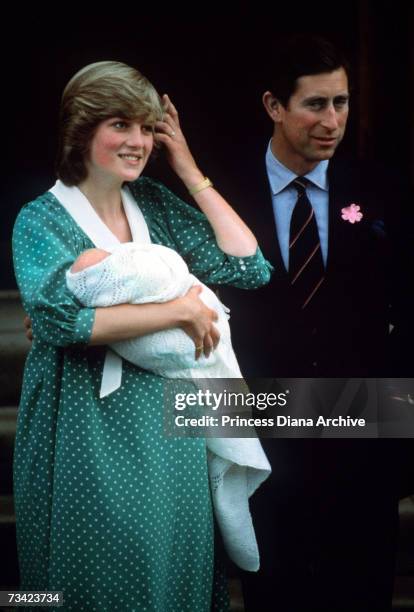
[306, 269]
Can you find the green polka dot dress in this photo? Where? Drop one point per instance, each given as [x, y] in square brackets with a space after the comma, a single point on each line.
[108, 509]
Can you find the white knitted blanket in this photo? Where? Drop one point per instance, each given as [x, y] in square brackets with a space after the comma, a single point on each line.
[143, 273]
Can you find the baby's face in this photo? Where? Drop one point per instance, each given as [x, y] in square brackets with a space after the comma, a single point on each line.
[89, 258]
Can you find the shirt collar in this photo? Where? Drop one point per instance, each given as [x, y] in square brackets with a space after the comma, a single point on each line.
[280, 176]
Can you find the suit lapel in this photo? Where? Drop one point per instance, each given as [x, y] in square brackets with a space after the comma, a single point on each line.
[343, 236]
[270, 240]
[343, 191]
[261, 219]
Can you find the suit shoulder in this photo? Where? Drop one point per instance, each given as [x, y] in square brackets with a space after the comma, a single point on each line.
[372, 174]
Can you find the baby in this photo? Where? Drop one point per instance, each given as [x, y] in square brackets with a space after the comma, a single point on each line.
[142, 273]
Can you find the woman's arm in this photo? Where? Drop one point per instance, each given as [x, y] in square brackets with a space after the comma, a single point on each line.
[232, 234]
[127, 321]
[45, 245]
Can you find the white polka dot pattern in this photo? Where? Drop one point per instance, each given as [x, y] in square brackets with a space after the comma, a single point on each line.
[108, 509]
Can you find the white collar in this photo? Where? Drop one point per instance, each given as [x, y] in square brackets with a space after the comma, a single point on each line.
[81, 210]
[280, 176]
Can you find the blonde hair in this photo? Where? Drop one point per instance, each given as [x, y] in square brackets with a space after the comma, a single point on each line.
[99, 91]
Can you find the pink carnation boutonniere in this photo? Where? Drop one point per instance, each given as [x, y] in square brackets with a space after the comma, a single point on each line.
[352, 213]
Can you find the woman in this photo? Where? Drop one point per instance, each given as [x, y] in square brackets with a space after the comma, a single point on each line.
[108, 509]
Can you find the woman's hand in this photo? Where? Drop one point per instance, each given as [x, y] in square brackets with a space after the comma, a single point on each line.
[27, 322]
[198, 323]
[179, 156]
[232, 234]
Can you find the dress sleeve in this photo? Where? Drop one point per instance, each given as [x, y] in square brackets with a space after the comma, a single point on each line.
[188, 231]
[44, 247]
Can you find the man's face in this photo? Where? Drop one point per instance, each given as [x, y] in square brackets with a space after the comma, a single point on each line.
[313, 124]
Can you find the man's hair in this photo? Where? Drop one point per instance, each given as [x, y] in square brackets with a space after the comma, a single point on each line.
[97, 92]
[297, 56]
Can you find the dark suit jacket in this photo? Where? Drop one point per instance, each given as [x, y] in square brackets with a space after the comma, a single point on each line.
[327, 500]
[347, 334]
[369, 280]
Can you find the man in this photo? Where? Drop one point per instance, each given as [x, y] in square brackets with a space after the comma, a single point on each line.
[326, 520]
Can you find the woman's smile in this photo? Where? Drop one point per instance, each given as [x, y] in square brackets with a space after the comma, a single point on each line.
[125, 140]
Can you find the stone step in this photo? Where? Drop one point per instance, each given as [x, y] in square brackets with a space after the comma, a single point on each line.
[8, 417]
[7, 516]
[403, 599]
[236, 595]
[11, 310]
[13, 347]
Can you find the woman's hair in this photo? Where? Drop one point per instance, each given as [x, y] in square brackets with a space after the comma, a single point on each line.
[97, 92]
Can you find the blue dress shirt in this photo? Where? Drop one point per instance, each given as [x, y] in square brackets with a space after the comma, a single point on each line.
[284, 199]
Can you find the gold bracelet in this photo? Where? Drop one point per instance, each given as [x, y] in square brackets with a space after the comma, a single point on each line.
[203, 185]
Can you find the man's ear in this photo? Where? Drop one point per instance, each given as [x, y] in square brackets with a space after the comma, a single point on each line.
[273, 107]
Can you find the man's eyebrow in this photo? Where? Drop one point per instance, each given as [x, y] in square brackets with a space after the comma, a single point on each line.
[321, 98]
[315, 98]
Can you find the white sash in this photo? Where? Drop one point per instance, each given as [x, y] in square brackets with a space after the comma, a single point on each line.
[83, 213]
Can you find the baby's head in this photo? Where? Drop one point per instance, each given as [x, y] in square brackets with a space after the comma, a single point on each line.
[88, 258]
